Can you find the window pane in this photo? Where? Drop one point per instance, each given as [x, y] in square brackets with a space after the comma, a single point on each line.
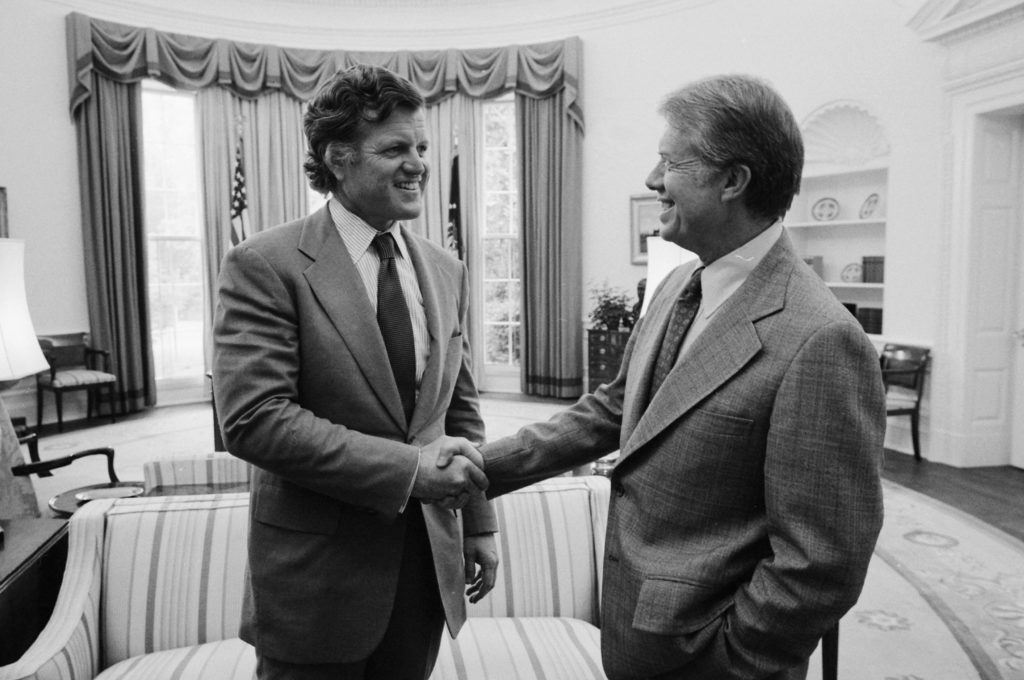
[174, 244]
[500, 239]
[499, 214]
[496, 258]
[496, 301]
[497, 344]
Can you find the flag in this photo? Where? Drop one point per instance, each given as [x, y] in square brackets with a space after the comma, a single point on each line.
[453, 233]
[239, 203]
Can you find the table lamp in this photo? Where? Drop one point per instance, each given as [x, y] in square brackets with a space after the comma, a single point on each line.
[20, 355]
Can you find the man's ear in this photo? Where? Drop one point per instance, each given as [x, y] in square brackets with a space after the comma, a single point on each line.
[737, 179]
[338, 157]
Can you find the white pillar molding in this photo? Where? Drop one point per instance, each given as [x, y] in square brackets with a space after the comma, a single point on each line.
[984, 73]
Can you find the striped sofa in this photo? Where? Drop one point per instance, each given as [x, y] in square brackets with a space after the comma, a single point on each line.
[153, 591]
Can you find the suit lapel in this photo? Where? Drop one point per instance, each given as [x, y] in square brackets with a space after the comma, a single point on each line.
[338, 287]
[725, 346]
[426, 276]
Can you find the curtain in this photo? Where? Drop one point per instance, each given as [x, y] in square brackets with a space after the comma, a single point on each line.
[550, 184]
[269, 131]
[110, 176]
[103, 51]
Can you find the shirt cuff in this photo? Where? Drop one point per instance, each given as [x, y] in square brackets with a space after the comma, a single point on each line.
[412, 482]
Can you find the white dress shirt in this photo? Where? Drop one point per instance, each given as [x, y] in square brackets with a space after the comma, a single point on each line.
[724, 276]
[358, 238]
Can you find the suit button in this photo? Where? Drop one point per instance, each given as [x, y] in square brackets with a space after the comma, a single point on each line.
[619, 489]
[612, 557]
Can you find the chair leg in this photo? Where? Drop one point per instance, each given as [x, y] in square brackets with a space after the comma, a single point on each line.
[830, 654]
[915, 436]
[39, 409]
[59, 396]
[110, 403]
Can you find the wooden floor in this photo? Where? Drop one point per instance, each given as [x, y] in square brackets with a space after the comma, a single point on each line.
[992, 494]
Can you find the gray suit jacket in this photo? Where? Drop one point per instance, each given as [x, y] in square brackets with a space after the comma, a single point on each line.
[304, 391]
[746, 499]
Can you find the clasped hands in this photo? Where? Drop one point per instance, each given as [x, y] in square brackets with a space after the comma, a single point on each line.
[451, 471]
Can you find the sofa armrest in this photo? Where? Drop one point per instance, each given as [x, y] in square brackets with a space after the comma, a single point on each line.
[68, 646]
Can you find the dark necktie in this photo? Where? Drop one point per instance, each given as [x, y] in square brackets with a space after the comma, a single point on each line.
[682, 316]
[395, 326]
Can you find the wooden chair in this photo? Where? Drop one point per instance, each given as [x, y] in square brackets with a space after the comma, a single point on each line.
[903, 372]
[74, 365]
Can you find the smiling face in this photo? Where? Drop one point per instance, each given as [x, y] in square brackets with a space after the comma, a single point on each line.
[690, 192]
[383, 180]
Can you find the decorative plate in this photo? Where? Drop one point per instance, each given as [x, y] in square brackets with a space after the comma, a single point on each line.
[825, 209]
[108, 492]
[868, 207]
[852, 273]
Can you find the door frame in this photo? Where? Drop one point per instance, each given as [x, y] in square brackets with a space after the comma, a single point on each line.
[956, 441]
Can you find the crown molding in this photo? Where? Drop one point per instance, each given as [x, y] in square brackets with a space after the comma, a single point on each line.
[947, 21]
[413, 24]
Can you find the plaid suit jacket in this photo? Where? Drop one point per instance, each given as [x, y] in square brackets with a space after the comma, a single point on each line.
[746, 499]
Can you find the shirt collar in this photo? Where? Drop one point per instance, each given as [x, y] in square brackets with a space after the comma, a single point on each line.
[724, 276]
[357, 234]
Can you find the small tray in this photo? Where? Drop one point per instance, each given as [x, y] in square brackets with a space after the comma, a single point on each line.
[111, 492]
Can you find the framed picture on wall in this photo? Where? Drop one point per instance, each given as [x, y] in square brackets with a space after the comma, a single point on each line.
[3, 213]
[644, 210]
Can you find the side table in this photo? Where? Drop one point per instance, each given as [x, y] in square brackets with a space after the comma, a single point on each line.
[31, 569]
[64, 504]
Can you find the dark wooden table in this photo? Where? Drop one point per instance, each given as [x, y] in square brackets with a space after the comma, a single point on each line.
[31, 568]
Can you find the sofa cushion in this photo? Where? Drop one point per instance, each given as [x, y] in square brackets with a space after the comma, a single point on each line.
[548, 555]
[543, 648]
[172, 572]
[531, 648]
[221, 660]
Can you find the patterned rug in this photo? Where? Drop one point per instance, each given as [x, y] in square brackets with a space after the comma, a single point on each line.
[944, 598]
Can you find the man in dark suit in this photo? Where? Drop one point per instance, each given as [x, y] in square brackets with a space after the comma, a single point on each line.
[749, 416]
[341, 372]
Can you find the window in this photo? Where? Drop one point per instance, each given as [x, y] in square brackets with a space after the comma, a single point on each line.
[500, 247]
[174, 241]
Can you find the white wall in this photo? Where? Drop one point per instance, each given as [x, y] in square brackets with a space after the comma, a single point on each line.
[815, 51]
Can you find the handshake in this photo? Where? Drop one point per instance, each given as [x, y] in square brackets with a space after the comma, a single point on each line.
[451, 471]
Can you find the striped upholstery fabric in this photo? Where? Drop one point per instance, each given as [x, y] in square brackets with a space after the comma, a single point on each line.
[548, 555]
[76, 378]
[153, 587]
[542, 648]
[172, 572]
[221, 660]
[68, 646]
[218, 468]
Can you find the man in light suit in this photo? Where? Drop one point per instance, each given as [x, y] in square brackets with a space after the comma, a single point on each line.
[343, 399]
[746, 497]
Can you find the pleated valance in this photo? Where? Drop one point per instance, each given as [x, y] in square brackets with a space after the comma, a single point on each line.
[128, 54]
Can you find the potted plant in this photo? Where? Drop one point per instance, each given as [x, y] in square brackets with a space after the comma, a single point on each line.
[613, 308]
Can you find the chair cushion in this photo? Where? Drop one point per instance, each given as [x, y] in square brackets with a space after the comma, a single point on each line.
[229, 659]
[541, 648]
[76, 378]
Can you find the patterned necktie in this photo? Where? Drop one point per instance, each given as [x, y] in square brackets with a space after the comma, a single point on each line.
[395, 326]
[682, 316]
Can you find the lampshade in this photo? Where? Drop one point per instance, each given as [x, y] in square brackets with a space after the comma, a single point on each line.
[20, 355]
[662, 257]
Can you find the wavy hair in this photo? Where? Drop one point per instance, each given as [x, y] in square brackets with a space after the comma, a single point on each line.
[340, 110]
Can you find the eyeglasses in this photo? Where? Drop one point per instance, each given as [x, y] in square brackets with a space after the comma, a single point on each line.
[665, 165]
